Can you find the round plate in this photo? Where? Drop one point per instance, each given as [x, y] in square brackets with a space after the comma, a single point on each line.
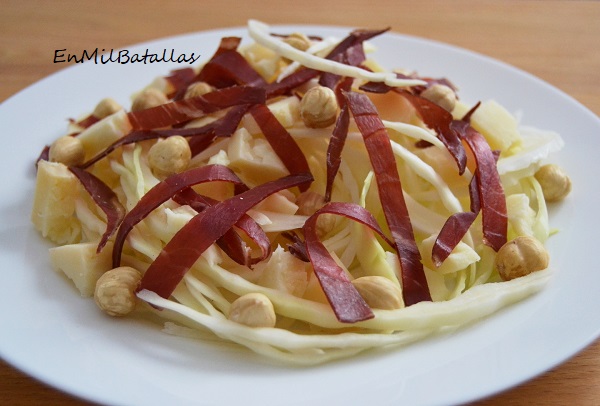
[53, 334]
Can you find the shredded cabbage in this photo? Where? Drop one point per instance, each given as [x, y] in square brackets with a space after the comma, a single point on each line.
[260, 32]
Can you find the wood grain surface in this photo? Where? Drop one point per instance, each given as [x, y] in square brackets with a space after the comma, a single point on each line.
[555, 40]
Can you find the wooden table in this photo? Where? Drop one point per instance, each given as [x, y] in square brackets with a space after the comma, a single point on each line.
[555, 40]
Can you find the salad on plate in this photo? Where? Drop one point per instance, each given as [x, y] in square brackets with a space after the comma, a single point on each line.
[293, 196]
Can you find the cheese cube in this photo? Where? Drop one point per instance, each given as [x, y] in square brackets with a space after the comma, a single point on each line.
[56, 192]
[81, 264]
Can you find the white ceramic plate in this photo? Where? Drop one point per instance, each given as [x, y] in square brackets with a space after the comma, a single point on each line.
[51, 333]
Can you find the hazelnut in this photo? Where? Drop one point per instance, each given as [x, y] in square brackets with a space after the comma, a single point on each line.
[169, 156]
[148, 98]
[441, 95]
[379, 292]
[308, 203]
[520, 257]
[67, 150]
[253, 310]
[298, 41]
[197, 89]
[115, 291]
[106, 107]
[319, 107]
[555, 183]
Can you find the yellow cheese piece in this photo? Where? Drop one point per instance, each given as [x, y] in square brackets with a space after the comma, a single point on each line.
[495, 123]
[254, 159]
[81, 264]
[265, 61]
[284, 272]
[286, 111]
[100, 135]
[53, 211]
[280, 202]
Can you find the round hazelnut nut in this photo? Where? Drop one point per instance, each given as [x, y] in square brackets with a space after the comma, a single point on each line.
[67, 150]
[106, 107]
[253, 310]
[379, 292]
[169, 156]
[298, 41]
[520, 257]
[197, 89]
[115, 291]
[325, 224]
[147, 99]
[555, 183]
[441, 95]
[318, 107]
[309, 202]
